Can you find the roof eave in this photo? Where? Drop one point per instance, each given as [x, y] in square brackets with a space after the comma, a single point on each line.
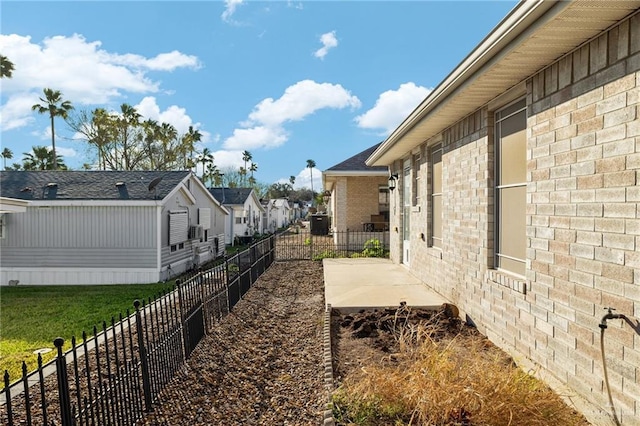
[521, 18]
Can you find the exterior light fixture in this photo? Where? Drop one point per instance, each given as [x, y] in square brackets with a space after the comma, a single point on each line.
[326, 196]
[393, 180]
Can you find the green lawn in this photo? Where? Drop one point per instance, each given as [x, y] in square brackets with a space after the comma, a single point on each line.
[31, 317]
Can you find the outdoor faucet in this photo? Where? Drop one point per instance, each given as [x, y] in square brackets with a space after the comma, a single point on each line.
[609, 315]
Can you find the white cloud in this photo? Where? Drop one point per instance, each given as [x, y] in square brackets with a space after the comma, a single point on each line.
[303, 179]
[174, 115]
[264, 128]
[302, 99]
[81, 70]
[392, 107]
[230, 9]
[66, 152]
[329, 41]
[256, 137]
[12, 113]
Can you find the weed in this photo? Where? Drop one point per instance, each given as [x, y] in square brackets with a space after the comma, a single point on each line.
[327, 254]
[373, 248]
[447, 381]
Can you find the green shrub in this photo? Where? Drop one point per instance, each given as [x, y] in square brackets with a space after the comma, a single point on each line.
[327, 254]
[373, 248]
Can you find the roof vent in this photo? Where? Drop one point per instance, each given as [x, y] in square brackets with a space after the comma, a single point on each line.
[122, 190]
[50, 191]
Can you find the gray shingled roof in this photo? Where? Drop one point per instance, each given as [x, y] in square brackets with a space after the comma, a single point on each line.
[357, 163]
[231, 195]
[88, 185]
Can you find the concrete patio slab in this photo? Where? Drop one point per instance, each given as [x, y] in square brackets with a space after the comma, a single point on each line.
[365, 283]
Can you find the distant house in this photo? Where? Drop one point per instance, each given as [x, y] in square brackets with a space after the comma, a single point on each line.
[359, 194]
[245, 212]
[106, 227]
[277, 214]
[518, 196]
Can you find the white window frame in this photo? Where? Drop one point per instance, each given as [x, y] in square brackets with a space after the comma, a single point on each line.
[435, 242]
[499, 187]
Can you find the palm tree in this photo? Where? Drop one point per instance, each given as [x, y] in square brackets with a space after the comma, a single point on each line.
[41, 158]
[55, 107]
[292, 180]
[129, 118]
[7, 154]
[310, 165]
[6, 67]
[188, 145]
[205, 158]
[246, 157]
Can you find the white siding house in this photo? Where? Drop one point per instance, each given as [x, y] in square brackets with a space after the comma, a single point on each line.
[107, 227]
[245, 212]
[277, 214]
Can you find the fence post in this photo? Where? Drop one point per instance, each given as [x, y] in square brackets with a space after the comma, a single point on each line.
[144, 362]
[7, 392]
[226, 269]
[183, 324]
[63, 384]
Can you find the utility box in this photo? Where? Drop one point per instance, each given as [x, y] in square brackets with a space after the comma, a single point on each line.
[319, 224]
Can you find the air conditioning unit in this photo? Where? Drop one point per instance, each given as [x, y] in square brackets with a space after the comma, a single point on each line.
[196, 232]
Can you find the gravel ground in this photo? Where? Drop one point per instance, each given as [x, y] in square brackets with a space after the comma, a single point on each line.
[262, 364]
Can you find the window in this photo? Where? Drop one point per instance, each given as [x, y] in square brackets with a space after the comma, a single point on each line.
[178, 226]
[3, 225]
[436, 196]
[383, 200]
[415, 188]
[511, 187]
[238, 220]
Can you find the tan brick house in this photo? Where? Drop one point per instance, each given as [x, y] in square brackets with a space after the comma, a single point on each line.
[359, 194]
[517, 195]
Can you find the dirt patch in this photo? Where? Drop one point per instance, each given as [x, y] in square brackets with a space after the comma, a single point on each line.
[379, 358]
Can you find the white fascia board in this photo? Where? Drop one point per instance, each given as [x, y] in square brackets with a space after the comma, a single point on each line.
[518, 20]
[13, 205]
[356, 173]
[95, 203]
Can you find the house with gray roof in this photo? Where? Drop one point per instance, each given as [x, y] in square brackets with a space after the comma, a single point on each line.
[106, 227]
[359, 194]
[245, 212]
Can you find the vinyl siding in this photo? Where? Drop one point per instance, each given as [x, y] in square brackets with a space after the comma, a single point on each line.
[69, 236]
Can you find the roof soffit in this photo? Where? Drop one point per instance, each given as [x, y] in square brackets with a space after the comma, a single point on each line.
[522, 48]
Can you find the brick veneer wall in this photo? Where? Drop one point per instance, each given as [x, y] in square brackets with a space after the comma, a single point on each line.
[362, 199]
[583, 224]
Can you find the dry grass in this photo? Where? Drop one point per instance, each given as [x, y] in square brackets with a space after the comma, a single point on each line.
[440, 379]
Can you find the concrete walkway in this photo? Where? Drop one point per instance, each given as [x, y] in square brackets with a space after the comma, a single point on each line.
[354, 284]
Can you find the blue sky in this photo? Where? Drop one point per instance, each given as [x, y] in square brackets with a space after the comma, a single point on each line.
[287, 81]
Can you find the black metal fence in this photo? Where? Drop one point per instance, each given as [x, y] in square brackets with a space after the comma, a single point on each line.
[114, 377]
[298, 243]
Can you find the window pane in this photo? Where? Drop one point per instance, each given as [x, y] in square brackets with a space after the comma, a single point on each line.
[513, 149]
[437, 171]
[515, 266]
[512, 216]
[437, 221]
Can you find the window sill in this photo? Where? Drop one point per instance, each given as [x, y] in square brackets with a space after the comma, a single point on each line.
[506, 279]
[434, 252]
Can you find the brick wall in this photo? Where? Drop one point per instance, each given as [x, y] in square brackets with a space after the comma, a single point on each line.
[583, 225]
[583, 158]
[362, 193]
